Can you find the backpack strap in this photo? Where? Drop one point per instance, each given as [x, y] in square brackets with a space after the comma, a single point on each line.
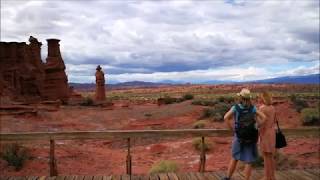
[251, 108]
[240, 110]
[276, 120]
[237, 115]
[237, 107]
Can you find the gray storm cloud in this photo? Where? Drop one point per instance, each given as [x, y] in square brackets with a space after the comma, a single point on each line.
[158, 39]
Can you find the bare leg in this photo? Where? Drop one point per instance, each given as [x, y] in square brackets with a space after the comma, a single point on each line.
[232, 167]
[267, 165]
[273, 169]
[247, 171]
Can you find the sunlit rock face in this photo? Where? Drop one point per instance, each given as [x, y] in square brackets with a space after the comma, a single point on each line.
[56, 81]
[100, 94]
[25, 77]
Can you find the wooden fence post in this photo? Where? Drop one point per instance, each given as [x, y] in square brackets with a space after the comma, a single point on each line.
[202, 165]
[52, 161]
[129, 165]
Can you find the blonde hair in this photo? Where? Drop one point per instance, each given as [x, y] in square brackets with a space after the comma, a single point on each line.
[266, 98]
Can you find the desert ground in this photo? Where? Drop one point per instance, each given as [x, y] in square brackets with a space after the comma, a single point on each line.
[137, 109]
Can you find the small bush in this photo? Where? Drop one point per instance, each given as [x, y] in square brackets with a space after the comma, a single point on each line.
[164, 166]
[15, 155]
[87, 101]
[222, 108]
[225, 99]
[199, 124]
[188, 96]
[169, 100]
[299, 104]
[217, 112]
[179, 100]
[196, 142]
[293, 97]
[207, 112]
[217, 117]
[310, 116]
[196, 102]
[204, 102]
[147, 115]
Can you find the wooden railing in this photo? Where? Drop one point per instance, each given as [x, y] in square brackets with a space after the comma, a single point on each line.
[129, 134]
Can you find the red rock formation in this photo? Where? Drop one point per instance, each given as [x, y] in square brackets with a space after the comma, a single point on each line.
[100, 85]
[16, 70]
[56, 81]
[23, 75]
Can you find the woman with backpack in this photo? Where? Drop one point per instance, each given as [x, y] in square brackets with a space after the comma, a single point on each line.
[246, 119]
[267, 134]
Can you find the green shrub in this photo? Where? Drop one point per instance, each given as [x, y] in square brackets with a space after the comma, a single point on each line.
[87, 101]
[310, 116]
[299, 104]
[148, 115]
[219, 111]
[218, 117]
[293, 97]
[188, 96]
[196, 102]
[225, 99]
[216, 113]
[207, 112]
[169, 100]
[204, 102]
[199, 124]
[196, 143]
[179, 100]
[15, 155]
[164, 166]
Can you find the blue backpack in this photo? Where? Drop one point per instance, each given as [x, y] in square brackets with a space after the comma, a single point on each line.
[245, 128]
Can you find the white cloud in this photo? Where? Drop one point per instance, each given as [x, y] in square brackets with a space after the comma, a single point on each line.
[231, 74]
[300, 71]
[165, 38]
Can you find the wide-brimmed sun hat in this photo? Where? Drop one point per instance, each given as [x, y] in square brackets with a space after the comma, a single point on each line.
[245, 93]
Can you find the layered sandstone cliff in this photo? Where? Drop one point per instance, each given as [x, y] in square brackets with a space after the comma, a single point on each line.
[25, 77]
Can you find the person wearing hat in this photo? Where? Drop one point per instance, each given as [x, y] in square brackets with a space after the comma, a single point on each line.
[244, 150]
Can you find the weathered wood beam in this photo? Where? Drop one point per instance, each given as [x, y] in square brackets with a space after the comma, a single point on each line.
[129, 159]
[202, 165]
[52, 160]
[110, 134]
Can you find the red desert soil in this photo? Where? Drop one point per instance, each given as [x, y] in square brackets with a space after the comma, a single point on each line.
[108, 156]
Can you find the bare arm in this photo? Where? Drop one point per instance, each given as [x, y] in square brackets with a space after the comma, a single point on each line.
[260, 117]
[228, 118]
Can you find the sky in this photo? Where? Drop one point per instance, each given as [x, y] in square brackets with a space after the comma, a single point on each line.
[183, 41]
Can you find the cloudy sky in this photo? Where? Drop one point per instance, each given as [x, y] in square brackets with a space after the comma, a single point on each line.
[188, 41]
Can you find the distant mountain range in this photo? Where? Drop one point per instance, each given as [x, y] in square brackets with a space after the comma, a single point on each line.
[306, 79]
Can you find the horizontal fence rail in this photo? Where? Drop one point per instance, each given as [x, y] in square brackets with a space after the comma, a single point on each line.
[72, 135]
[129, 134]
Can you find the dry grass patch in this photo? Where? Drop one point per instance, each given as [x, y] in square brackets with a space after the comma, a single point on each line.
[164, 166]
[196, 143]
